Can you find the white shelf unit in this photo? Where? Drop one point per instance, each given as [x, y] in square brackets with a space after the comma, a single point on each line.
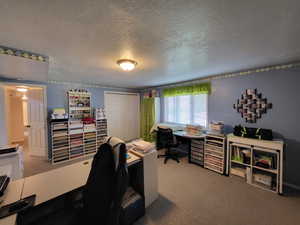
[101, 127]
[244, 155]
[79, 104]
[214, 153]
[197, 151]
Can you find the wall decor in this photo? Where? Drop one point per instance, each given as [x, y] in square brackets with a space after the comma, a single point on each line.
[151, 94]
[22, 53]
[252, 105]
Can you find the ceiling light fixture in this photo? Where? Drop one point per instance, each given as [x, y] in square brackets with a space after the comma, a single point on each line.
[127, 64]
[24, 98]
[21, 89]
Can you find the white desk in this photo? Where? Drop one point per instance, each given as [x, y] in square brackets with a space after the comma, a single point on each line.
[56, 182]
[13, 194]
[12, 164]
[150, 175]
[187, 135]
[53, 183]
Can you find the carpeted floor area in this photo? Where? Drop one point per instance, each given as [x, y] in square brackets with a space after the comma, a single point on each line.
[193, 195]
[190, 195]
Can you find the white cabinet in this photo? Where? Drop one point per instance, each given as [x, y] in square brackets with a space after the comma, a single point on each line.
[259, 162]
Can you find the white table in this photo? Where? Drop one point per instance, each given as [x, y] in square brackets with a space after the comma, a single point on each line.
[11, 164]
[13, 194]
[53, 183]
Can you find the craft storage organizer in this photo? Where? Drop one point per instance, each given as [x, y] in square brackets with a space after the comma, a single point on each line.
[60, 141]
[101, 127]
[197, 151]
[214, 152]
[70, 140]
[79, 104]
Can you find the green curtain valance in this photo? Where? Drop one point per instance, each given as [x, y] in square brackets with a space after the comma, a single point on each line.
[203, 88]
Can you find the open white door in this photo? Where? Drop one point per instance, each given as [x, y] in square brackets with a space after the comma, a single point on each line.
[36, 123]
[3, 130]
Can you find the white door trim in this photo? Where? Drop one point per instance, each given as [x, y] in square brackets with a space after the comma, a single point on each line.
[44, 87]
[121, 93]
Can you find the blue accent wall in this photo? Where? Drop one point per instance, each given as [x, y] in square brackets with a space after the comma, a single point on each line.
[57, 95]
[57, 92]
[282, 88]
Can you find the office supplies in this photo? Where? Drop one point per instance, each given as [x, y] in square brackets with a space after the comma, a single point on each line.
[141, 146]
[79, 104]
[101, 127]
[59, 113]
[192, 129]
[216, 126]
[4, 181]
[250, 132]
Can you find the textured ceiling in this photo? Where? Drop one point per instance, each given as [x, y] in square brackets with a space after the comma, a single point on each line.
[171, 40]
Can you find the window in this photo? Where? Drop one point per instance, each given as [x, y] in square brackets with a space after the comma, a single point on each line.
[186, 109]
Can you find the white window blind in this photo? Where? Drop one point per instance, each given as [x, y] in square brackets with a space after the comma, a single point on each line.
[186, 109]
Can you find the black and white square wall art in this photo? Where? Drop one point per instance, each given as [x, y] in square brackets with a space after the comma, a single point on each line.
[252, 105]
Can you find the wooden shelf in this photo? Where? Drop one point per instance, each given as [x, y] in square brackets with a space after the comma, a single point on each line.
[266, 170]
[238, 162]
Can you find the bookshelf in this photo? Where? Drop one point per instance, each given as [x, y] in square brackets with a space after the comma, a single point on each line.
[258, 162]
[79, 104]
[214, 153]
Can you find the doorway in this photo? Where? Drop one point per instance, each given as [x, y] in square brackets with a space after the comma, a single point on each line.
[25, 116]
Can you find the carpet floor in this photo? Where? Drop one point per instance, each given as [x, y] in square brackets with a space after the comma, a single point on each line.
[190, 194]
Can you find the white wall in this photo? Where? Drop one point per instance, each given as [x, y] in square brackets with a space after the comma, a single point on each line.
[123, 115]
[3, 130]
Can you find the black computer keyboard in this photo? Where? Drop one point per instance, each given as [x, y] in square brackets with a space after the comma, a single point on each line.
[4, 180]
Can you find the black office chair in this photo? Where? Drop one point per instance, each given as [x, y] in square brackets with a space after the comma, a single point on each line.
[165, 139]
[101, 201]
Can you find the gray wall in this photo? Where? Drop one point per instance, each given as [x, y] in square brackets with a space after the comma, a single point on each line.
[282, 88]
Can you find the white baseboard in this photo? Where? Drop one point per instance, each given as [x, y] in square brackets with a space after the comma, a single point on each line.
[293, 186]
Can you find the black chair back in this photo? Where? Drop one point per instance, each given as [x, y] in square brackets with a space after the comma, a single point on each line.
[165, 137]
[98, 191]
[105, 187]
